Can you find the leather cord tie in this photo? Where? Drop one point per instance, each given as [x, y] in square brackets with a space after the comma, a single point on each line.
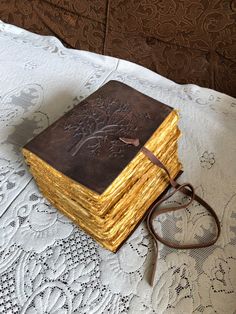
[185, 188]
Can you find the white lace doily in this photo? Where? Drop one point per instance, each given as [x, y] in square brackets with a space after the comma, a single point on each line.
[47, 264]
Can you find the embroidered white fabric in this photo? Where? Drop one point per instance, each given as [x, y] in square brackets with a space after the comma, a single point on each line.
[49, 265]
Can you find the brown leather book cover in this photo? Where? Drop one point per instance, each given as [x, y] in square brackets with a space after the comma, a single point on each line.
[84, 144]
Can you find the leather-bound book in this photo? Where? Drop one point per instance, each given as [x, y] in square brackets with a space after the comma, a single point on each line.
[86, 167]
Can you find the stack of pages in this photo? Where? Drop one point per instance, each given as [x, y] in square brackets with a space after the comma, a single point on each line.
[84, 169]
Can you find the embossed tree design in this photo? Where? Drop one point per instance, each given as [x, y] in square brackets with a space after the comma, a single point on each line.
[99, 125]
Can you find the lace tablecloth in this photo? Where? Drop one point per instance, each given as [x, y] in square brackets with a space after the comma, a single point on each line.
[49, 265]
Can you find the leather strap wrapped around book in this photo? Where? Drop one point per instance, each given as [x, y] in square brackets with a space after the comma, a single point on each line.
[185, 188]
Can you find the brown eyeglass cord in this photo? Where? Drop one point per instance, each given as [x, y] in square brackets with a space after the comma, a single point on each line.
[155, 211]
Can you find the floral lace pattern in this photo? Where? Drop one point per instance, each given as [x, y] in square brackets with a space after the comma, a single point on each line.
[207, 160]
[49, 265]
